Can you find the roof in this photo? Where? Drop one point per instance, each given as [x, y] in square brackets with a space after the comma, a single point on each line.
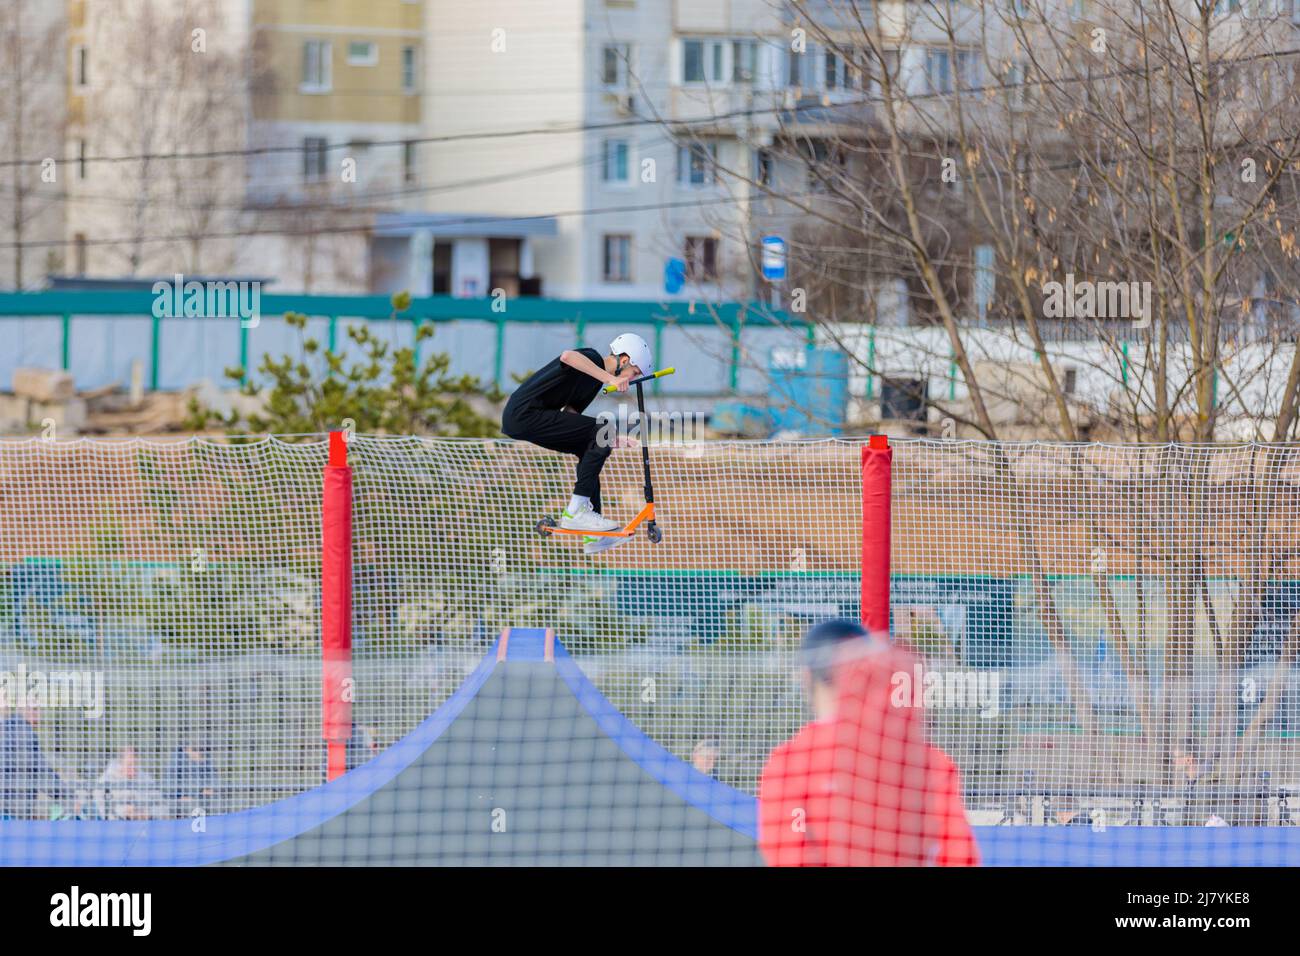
[136, 283]
[455, 225]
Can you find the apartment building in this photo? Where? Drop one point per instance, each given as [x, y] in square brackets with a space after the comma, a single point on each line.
[591, 80]
[374, 157]
[354, 145]
[302, 120]
[295, 118]
[657, 129]
[341, 79]
[336, 93]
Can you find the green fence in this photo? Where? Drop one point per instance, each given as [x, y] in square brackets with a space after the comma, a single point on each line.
[145, 324]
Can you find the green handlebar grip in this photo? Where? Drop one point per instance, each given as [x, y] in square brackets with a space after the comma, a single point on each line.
[645, 378]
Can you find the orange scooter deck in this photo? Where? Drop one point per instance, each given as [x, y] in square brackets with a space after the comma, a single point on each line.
[646, 514]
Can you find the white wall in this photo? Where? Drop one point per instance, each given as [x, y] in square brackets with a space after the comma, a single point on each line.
[534, 83]
[1258, 372]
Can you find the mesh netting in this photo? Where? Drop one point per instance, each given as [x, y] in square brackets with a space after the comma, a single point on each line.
[1133, 608]
[1104, 634]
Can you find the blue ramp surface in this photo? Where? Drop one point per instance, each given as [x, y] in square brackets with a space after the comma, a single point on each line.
[526, 764]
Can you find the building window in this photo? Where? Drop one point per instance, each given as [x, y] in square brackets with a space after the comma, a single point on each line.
[701, 258]
[617, 265]
[702, 61]
[408, 162]
[79, 254]
[1017, 84]
[81, 159]
[892, 67]
[1024, 169]
[695, 164]
[827, 163]
[363, 53]
[692, 61]
[802, 69]
[838, 73]
[80, 67]
[614, 65]
[313, 158]
[938, 71]
[744, 62]
[984, 282]
[615, 167]
[763, 167]
[941, 74]
[408, 69]
[315, 67]
[1228, 79]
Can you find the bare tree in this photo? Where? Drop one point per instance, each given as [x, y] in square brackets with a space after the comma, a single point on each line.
[1089, 211]
[32, 113]
[177, 170]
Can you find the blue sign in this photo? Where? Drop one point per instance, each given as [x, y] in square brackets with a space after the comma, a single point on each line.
[773, 261]
[674, 275]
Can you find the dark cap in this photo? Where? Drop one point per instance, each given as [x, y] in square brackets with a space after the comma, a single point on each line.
[817, 649]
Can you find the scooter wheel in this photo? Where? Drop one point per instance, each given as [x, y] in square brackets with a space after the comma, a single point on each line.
[654, 534]
[545, 524]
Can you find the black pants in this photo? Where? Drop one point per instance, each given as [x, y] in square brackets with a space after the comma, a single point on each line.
[564, 432]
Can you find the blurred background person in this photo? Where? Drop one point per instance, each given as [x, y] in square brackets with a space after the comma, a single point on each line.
[706, 756]
[26, 776]
[127, 792]
[191, 779]
[859, 785]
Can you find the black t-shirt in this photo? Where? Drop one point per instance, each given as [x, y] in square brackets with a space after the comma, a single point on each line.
[554, 386]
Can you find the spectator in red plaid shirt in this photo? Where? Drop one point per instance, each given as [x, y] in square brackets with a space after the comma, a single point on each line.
[859, 785]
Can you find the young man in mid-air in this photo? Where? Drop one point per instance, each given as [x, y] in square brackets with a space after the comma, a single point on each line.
[546, 410]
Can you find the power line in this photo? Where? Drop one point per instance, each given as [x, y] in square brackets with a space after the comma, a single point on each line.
[705, 121]
[469, 220]
[350, 204]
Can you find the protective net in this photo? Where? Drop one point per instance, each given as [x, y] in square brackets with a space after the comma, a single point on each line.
[1112, 636]
[1094, 635]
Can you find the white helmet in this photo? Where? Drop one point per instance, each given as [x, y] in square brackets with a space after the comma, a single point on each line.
[635, 348]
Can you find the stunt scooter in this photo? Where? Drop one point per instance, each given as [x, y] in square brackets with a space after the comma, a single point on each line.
[646, 515]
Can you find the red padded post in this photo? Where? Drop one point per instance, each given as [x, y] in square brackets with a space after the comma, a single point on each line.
[877, 467]
[336, 608]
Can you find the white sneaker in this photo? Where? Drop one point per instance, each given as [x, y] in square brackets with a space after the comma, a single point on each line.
[587, 519]
[599, 545]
